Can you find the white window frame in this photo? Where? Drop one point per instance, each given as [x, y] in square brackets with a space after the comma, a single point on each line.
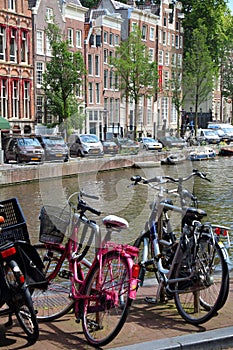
[160, 57]
[40, 42]
[78, 38]
[15, 98]
[13, 45]
[152, 33]
[12, 5]
[3, 43]
[39, 73]
[167, 58]
[4, 98]
[26, 99]
[70, 37]
[49, 15]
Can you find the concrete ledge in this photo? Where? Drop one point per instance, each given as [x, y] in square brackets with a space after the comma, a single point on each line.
[13, 173]
[211, 340]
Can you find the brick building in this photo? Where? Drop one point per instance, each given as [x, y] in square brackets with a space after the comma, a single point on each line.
[16, 65]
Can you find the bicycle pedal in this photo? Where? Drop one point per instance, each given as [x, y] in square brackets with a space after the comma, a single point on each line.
[78, 320]
[65, 274]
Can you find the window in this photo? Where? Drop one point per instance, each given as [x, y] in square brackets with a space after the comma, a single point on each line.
[39, 109]
[116, 40]
[105, 79]
[105, 56]
[173, 40]
[3, 98]
[97, 92]
[2, 43]
[164, 108]
[152, 33]
[161, 57]
[160, 36]
[179, 60]
[49, 14]
[13, 46]
[90, 68]
[134, 27]
[116, 81]
[24, 46]
[164, 21]
[70, 36]
[181, 42]
[106, 37]
[48, 47]
[12, 5]
[173, 59]
[110, 57]
[167, 58]
[90, 89]
[173, 114]
[169, 38]
[39, 73]
[149, 110]
[39, 42]
[144, 30]
[164, 38]
[79, 90]
[166, 79]
[78, 38]
[111, 74]
[177, 41]
[15, 98]
[26, 99]
[151, 54]
[97, 65]
[177, 25]
[110, 39]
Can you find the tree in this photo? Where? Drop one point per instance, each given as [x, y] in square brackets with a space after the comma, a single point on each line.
[227, 79]
[63, 75]
[138, 76]
[212, 13]
[177, 93]
[198, 69]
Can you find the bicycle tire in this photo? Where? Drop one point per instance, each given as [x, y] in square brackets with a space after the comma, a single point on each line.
[198, 300]
[55, 301]
[21, 302]
[104, 314]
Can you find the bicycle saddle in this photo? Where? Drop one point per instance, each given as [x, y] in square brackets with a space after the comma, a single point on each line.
[113, 221]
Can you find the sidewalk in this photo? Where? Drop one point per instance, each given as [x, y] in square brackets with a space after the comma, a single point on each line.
[148, 327]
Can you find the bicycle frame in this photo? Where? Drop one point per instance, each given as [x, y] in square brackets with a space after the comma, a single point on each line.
[76, 260]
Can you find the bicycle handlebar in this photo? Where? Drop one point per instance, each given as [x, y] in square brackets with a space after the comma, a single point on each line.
[166, 179]
[82, 205]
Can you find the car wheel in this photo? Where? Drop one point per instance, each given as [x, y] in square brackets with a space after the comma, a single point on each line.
[79, 154]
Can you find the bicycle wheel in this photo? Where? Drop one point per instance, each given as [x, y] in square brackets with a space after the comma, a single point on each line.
[21, 302]
[55, 301]
[199, 298]
[107, 302]
[26, 315]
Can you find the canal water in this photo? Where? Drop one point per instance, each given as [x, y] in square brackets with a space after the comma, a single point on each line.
[116, 196]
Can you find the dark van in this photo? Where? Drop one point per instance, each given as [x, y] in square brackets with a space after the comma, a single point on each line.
[23, 149]
[54, 147]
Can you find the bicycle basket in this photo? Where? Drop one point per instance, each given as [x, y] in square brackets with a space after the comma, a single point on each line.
[53, 224]
[14, 227]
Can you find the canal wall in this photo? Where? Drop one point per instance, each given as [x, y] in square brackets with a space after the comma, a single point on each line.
[13, 173]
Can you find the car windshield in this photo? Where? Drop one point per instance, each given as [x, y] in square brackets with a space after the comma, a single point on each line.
[54, 141]
[28, 141]
[210, 132]
[228, 130]
[89, 138]
[148, 140]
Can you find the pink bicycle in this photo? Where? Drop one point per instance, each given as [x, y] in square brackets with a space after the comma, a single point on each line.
[100, 292]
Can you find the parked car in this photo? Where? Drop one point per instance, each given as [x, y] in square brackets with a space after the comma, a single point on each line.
[172, 141]
[223, 137]
[85, 145]
[54, 147]
[127, 145]
[110, 147]
[207, 136]
[23, 149]
[226, 128]
[149, 143]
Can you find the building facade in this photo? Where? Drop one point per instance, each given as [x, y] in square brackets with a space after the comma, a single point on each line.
[16, 65]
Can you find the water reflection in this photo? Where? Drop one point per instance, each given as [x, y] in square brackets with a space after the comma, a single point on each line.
[132, 203]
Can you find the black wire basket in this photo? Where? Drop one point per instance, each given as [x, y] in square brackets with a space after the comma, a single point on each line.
[14, 227]
[53, 224]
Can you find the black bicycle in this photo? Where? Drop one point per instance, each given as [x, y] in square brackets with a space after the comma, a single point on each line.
[191, 268]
